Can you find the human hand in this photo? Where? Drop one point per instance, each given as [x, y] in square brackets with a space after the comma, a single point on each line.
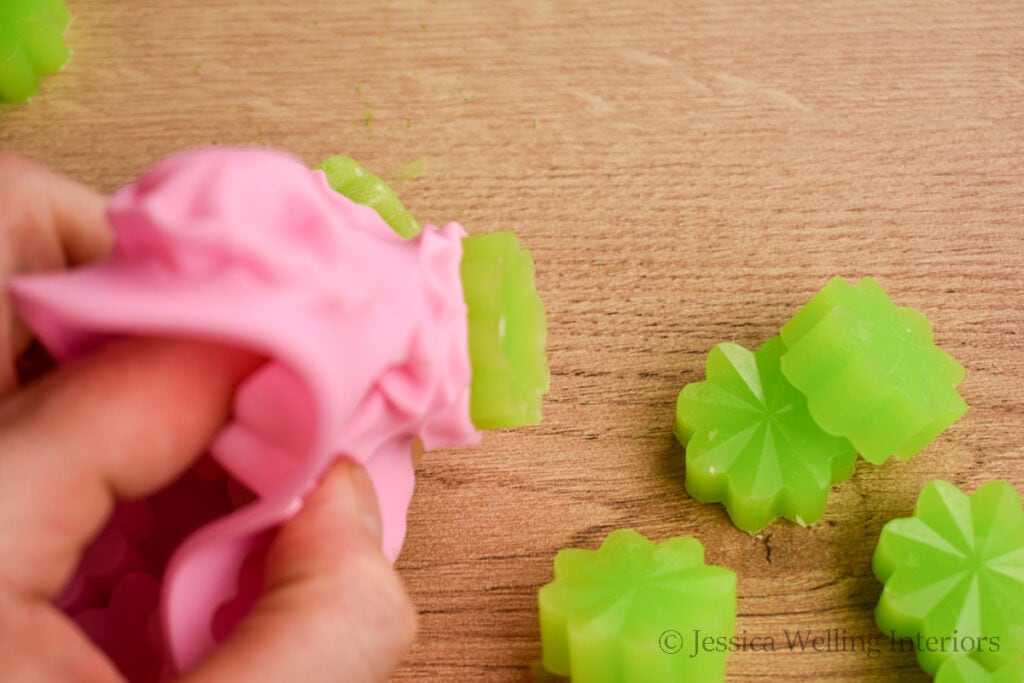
[122, 423]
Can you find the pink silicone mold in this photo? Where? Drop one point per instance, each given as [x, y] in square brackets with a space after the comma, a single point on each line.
[366, 336]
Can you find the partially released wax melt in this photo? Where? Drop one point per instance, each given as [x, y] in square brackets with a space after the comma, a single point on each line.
[507, 325]
[637, 611]
[368, 345]
[871, 371]
[752, 445]
[31, 45]
[954, 577]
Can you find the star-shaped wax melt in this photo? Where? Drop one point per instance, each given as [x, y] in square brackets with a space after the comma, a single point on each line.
[954, 576]
[871, 371]
[752, 445]
[507, 332]
[31, 45]
[966, 670]
[631, 611]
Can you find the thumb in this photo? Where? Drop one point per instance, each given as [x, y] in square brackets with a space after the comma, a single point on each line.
[333, 608]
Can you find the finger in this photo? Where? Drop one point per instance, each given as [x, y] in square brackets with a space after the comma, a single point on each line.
[38, 644]
[333, 609]
[117, 424]
[50, 219]
[47, 221]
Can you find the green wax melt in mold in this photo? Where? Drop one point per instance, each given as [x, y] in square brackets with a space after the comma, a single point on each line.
[507, 332]
[505, 316]
[870, 370]
[31, 45]
[752, 445]
[346, 176]
[630, 612]
[966, 670]
[954, 577]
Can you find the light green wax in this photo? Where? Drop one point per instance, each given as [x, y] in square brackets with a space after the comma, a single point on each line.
[31, 45]
[637, 611]
[870, 370]
[506, 325]
[346, 176]
[752, 445]
[507, 332]
[954, 576]
[967, 670]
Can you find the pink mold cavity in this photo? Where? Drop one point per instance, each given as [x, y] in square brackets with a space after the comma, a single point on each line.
[365, 333]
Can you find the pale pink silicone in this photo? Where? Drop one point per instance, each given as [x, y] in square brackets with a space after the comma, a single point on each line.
[366, 333]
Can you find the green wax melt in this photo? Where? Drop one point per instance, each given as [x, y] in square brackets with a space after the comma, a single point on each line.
[346, 176]
[637, 611]
[954, 577]
[507, 332]
[31, 45]
[507, 329]
[966, 670]
[871, 371]
[752, 445]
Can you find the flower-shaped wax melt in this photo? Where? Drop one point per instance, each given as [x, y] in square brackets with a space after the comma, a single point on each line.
[347, 176]
[507, 331]
[366, 333]
[752, 445]
[631, 611]
[954, 576]
[31, 45]
[966, 670]
[871, 371]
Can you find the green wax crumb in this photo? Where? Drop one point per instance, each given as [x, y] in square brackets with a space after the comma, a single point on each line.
[413, 170]
[367, 118]
[197, 68]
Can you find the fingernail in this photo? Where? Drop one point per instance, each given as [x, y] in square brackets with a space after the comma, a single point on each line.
[364, 497]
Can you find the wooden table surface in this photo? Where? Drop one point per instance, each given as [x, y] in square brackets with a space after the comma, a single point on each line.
[685, 174]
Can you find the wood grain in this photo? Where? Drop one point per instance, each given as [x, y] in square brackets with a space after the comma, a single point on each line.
[685, 173]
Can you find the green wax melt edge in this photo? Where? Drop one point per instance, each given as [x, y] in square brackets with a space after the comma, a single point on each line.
[346, 176]
[507, 332]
